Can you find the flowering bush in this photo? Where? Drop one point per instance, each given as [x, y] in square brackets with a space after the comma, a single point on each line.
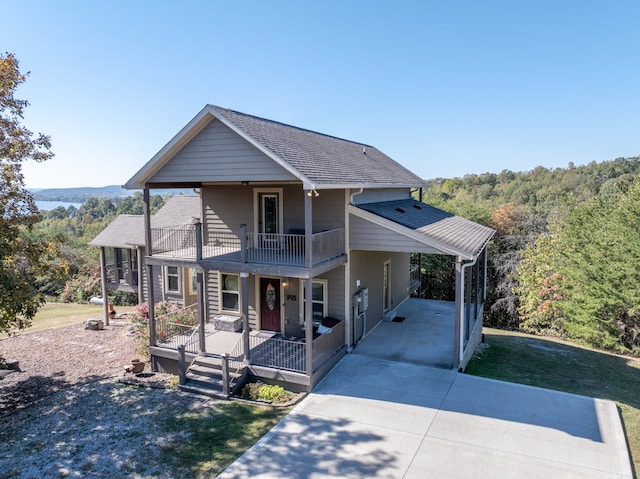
[171, 320]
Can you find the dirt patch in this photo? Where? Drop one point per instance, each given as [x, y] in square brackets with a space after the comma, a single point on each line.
[54, 359]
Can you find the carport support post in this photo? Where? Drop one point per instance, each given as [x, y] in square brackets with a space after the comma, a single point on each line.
[103, 277]
[458, 344]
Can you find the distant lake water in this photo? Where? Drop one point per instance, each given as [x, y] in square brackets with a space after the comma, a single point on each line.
[51, 205]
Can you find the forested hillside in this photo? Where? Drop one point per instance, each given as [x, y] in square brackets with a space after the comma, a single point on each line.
[565, 257]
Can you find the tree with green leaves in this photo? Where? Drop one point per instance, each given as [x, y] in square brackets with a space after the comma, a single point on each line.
[23, 261]
[581, 280]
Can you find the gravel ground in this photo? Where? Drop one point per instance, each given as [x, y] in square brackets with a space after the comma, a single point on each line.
[67, 414]
[54, 359]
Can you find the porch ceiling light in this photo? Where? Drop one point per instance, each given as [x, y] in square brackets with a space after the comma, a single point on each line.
[313, 192]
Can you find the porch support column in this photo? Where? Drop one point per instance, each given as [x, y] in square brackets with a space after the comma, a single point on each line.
[308, 324]
[103, 277]
[245, 315]
[140, 275]
[308, 229]
[458, 334]
[201, 312]
[308, 286]
[149, 252]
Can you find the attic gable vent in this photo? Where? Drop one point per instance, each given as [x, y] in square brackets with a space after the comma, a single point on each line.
[400, 210]
[417, 206]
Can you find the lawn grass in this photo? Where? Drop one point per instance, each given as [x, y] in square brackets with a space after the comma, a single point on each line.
[554, 364]
[53, 315]
[216, 436]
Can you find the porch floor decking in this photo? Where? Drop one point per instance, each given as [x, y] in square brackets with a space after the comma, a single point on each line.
[288, 354]
[426, 335]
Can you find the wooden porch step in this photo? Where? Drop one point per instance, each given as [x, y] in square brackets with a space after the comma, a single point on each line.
[212, 362]
[205, 377]
[208, 380]
[203, 390]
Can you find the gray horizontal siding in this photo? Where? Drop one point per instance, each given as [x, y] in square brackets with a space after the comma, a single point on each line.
[219, 154]
[226, 208]
[367, 236]
[335, 279]
[211, 293]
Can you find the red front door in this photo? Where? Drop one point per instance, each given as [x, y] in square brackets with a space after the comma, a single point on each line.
[270, 304]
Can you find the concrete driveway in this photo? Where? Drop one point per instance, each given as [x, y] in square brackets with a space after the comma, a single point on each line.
[372, 417]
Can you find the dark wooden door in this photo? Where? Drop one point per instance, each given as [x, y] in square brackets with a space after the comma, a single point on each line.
[270, 304]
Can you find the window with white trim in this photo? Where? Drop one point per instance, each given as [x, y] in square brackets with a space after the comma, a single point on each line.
[229, 293]
[193, 281]
[319, 300]
[172, 279]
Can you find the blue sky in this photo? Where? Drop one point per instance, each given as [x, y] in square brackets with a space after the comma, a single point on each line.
[446, 88]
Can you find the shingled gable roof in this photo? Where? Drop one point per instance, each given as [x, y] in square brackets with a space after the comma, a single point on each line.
[318, 160]
[127, 231]
[450, 233]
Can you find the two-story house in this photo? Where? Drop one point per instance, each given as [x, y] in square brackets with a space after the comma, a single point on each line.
[303, 247]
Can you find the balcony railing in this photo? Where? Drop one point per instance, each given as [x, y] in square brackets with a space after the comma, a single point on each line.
[290, 354]
[325, 345]
[244, 247]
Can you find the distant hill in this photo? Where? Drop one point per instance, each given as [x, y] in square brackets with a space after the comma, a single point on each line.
[83, 193]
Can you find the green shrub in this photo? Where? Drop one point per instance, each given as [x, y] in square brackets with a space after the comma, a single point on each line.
[258, 391]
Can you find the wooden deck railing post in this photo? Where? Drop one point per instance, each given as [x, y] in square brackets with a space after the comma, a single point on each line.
[201, 313]
[182, 368]
[198, 227]
[226, 387]
[243, 243]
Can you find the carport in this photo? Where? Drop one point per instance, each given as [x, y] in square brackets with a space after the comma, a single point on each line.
[410, 226]
[423, 333]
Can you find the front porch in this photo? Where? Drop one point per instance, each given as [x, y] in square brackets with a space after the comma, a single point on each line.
[271, 355]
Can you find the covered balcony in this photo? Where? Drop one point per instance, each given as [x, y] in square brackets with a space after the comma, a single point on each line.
[246, 251]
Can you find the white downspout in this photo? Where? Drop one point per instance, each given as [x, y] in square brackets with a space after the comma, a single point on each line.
[462, 309]
[354, 194]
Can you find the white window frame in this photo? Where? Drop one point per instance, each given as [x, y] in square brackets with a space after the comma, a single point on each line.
[257, 207]
[167, 290]
[325, 298]
[221, 292]
[386, 286]
[193, 275]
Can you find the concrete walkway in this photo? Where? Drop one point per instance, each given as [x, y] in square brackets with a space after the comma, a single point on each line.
[371, 417]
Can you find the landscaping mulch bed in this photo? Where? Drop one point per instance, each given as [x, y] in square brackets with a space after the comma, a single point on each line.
[54, 359]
